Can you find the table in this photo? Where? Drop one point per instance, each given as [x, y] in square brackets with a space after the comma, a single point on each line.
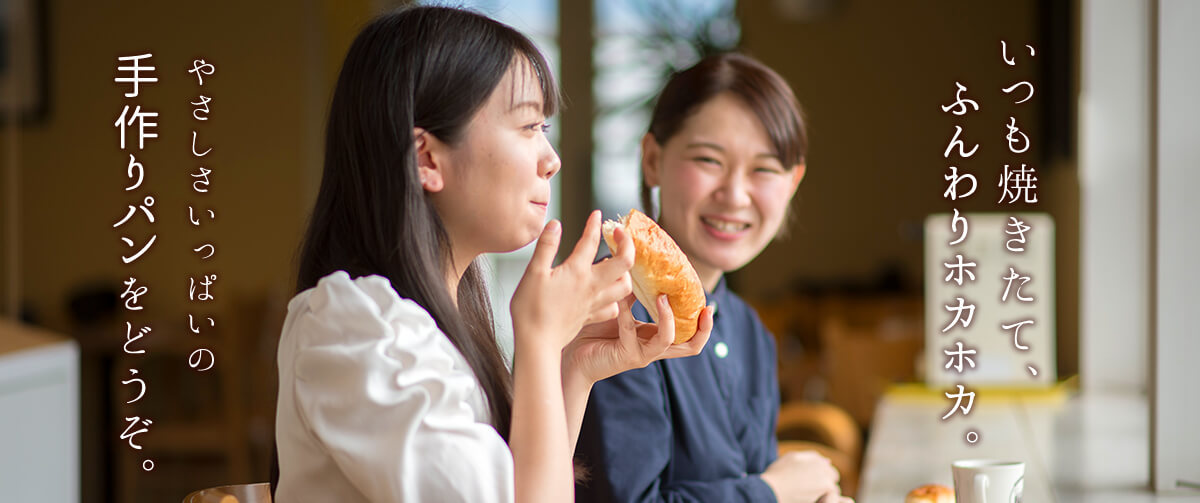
[1091, 447]
[39, 415]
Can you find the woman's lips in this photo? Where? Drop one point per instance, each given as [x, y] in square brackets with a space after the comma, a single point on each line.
[725, 229]
[541, 206]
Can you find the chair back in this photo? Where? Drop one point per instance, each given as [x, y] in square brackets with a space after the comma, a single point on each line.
[239, 493]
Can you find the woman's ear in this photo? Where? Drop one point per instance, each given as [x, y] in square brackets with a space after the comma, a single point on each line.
[429, 153]
[651, 160]
[798, 175]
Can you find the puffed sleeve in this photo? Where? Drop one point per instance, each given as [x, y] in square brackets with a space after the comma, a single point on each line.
[391, 398]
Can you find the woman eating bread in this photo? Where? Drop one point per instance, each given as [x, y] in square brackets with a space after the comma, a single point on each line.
[392, 387]
[725, 149]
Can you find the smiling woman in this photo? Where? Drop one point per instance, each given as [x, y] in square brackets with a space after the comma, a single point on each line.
[724, 187]
[726, 149]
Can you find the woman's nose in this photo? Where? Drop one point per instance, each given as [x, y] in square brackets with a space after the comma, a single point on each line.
[549, 164]
[734, 190]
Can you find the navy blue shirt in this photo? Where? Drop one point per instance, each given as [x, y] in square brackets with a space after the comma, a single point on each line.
[700, 428]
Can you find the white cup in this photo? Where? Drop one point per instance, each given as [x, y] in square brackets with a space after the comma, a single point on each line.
[988, 481]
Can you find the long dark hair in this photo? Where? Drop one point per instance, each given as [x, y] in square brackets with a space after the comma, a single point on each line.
[427, 67]
[763, 90]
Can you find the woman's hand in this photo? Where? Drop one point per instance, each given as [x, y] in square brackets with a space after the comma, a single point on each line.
[556, 302]
[803, 477]
[609, 347]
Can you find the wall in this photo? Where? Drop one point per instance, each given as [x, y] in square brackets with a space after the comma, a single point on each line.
[275, 66]
[1115, 176]
[1176, 401]
[871, 77]
[276, 63]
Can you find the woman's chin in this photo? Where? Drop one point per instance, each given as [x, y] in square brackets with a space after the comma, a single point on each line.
[726, 262]
[517, 243]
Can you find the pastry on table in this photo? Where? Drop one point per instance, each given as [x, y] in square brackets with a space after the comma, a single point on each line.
[930, 493]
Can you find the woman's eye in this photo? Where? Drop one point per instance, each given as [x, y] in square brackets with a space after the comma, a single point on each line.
[539, 126]
[773, 171]
[707, 160]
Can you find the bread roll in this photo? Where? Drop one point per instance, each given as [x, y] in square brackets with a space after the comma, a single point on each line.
[930, 493]
[661, 267]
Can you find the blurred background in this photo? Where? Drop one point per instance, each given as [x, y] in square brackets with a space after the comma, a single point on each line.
[843, 294]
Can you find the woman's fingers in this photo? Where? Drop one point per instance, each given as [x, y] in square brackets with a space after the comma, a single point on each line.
[604, 313]
[831, 496]
[827, 469]
[547, 246]
[703, 332]
[625, 321]
[603, 303]
[696, 344]
[625, 251]
[619, 264]
[616, 290]
[666, 329]
[834, 496]
[628, 328]
[665, 314]
[585, 249]
[609, 279]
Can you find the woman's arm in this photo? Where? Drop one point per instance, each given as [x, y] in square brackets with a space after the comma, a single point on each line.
[576, 389]
[538, 439]
[552, 376]
[550, 306]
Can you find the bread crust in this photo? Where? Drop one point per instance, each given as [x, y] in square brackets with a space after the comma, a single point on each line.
[661, 267]
[930, 493]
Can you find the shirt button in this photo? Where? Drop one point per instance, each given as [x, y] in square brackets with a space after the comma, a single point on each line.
[721, 349]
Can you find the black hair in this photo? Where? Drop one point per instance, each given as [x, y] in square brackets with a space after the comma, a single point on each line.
[764, 91]
[432, 68]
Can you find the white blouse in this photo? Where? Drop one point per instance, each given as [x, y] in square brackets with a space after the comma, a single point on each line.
[377, 405]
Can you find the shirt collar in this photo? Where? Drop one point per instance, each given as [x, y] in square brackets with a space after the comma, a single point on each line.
[717, 296]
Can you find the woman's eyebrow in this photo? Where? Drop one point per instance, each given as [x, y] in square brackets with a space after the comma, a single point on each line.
[713, 146]
[718, 148]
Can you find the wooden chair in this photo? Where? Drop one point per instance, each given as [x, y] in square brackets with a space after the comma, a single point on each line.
[827, 423]
[216, 406]
[824, 428]
[869, 343]
[241, 493]
[264, 322]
